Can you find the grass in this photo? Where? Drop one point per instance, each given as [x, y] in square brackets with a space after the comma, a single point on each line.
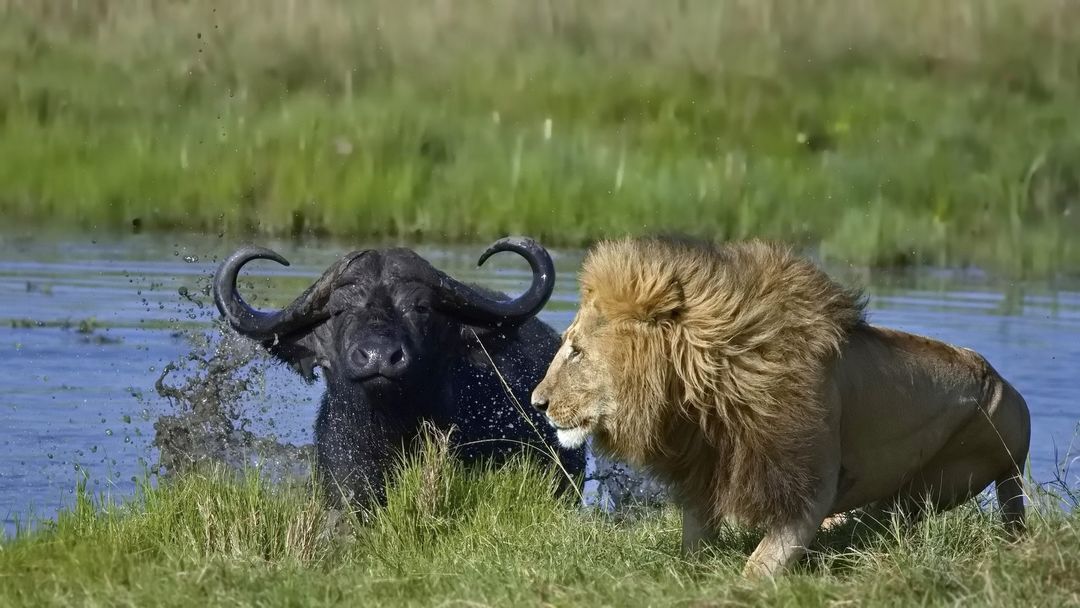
[455, 537]
[888, 133]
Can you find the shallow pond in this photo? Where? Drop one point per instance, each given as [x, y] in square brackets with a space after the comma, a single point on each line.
[87, 325]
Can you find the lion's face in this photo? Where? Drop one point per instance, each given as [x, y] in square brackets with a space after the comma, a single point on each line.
[578, 392]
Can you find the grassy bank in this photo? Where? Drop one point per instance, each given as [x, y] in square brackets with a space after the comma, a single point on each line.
[889, 132]
[448, 537]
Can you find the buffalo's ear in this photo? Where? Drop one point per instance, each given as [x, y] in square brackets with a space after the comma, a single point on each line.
[477, 342]
[483, 344]
[303, 350]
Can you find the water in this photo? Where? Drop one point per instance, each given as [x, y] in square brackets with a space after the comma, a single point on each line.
[88, 324]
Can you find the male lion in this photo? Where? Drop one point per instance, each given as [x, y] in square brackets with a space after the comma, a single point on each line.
[751, 382]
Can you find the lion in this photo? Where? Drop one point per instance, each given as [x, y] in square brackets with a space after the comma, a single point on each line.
[752, 384]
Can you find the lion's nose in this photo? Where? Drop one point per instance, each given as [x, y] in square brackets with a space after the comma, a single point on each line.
[540, 403]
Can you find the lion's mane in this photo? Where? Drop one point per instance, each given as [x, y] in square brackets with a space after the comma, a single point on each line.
[719, 357]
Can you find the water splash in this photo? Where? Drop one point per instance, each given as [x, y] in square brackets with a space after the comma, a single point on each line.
[208, 421]
[622, 489]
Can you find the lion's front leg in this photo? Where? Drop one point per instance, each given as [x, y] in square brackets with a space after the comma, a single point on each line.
[782, 547]
[785, 543]
[694, 531]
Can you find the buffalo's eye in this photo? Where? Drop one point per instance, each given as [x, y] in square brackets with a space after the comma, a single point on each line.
[421, 308]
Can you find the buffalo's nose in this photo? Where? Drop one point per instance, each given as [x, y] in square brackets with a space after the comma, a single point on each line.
[381, 359]
[394, 362]
[539, 402]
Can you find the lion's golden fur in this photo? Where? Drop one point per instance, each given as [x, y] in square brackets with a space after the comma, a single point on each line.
[717, 355]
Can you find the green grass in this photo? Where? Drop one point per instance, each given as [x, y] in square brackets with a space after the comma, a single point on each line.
[451, 537]
[890, 133]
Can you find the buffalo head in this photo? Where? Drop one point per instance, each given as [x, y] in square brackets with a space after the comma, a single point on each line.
[377, 319]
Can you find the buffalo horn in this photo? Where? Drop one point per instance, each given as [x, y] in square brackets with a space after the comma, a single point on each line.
[304, 311]
[474, 307]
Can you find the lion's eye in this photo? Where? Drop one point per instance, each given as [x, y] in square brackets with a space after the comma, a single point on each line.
[575, 353]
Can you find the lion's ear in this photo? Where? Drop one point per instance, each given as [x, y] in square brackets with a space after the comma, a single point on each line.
[666, 304]
[653, 298]
[632, 284]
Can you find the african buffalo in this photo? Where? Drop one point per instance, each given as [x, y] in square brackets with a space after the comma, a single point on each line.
[398, 342]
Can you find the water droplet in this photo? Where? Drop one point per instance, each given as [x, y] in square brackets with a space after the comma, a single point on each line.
[108, 432]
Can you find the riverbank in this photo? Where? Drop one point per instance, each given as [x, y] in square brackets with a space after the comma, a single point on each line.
[448, 537]
[945, 135]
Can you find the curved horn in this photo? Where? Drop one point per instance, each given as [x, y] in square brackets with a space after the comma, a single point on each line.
[477, 308]
[304, 311]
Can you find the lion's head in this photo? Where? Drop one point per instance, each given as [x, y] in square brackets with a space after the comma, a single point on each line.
[577, 392]
[615, 373]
